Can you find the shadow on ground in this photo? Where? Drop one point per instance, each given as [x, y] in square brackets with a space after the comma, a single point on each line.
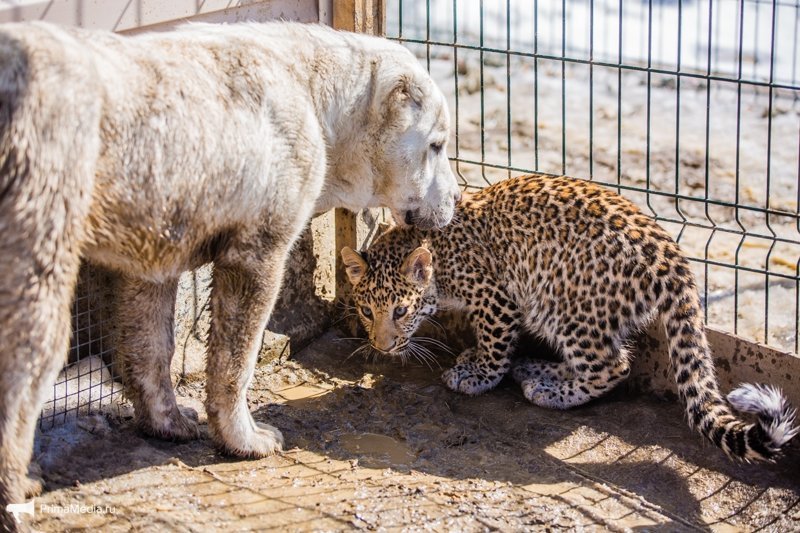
[381, 445]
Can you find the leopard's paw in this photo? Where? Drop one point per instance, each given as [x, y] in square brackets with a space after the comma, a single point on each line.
[534, 390]
[544, 394]
[468, 378]
[467, 356]
[524, 372]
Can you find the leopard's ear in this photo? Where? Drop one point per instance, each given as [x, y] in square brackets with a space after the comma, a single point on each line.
[418, 267]
[354, 264]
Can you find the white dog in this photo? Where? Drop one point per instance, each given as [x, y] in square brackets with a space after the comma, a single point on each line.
[154, 154]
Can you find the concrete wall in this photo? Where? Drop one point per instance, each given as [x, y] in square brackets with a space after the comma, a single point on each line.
[737, 361]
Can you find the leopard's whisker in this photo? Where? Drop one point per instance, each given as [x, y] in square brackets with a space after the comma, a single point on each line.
[430, 355]
[342, 319]
[437, 343]
[375, 354]
[421, 358]
[341, 304]
[360, 349]
[428, 351]
[430, 339]
[424, 355]
[436, 324]
[419, 355]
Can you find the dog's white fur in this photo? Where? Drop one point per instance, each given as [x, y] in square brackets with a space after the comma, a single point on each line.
[153, 154]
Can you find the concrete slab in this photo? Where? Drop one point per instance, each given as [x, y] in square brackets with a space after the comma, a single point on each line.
[373, 445]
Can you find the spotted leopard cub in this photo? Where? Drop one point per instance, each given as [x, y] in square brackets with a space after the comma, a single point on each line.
[582, 268]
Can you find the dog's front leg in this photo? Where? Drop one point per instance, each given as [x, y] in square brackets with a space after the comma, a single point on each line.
[244, 290]
[145, 346]
[34, 339]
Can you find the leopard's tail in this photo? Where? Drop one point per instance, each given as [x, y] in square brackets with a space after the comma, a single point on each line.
[707, 410]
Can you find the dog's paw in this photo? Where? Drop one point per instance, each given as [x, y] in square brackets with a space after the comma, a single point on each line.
[174, 426]
[259, 440]
[467, 378]
[32, 485]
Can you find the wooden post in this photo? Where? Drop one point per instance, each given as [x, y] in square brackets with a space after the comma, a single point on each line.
[362, 16]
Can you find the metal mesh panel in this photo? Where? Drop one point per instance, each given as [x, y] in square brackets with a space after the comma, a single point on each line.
[87, 381]
[689, 108]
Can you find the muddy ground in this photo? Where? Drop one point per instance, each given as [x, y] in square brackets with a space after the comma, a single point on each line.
[373, 445]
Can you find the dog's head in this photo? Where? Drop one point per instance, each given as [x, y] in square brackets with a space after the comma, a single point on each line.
[409, 116]
[390, 147]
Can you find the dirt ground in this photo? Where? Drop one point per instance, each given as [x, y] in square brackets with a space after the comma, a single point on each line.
[374, 445]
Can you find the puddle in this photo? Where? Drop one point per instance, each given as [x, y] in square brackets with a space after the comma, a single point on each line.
[377, 451]
[301, 394]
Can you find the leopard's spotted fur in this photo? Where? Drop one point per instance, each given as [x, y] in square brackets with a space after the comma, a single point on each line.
[577, 265]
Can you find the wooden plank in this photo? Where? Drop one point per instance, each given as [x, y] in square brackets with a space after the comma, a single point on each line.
[362, 16]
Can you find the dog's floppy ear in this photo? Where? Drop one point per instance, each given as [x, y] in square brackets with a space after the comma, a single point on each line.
[418, 267]
[392, 86]
[407, 90]
[354, 264]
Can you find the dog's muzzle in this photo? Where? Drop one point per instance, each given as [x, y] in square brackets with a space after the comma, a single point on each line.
[413, 218]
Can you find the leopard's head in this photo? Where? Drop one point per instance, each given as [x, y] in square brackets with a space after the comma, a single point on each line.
[394, 291]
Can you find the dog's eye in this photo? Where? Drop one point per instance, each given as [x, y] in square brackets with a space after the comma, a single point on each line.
[366, 311]
[400, 311]
[437, 147]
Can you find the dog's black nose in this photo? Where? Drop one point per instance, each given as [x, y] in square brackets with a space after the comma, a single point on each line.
[410, 216]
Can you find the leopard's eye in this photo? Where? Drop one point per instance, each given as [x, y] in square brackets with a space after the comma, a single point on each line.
[366, 311]
[400, 311]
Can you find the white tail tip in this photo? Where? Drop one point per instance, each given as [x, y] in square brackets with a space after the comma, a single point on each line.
[768, 402]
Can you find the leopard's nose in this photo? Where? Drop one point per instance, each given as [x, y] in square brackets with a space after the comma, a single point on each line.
[386, 346]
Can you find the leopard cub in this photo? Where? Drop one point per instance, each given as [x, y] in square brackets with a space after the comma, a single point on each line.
[582, 268]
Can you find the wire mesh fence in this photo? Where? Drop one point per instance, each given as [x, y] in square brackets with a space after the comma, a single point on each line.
[689, 108]
[87, 382]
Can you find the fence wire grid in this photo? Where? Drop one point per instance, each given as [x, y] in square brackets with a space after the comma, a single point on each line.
[689, 108]
[87, 381]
